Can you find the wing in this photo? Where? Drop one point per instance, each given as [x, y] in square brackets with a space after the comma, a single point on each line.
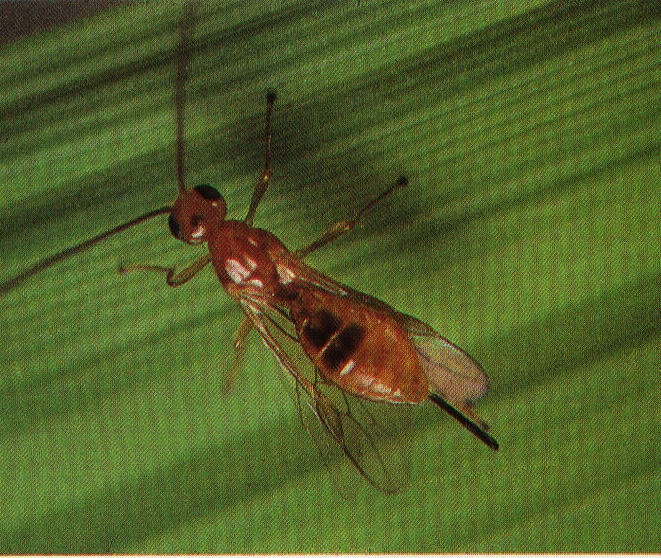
[366, 433]
[455, 378]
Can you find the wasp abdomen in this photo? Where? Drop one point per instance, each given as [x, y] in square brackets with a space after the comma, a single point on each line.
[358, 349]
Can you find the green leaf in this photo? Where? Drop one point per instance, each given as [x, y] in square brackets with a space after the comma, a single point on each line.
[528, 234]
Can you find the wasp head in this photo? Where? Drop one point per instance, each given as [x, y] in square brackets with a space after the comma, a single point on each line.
[195, 212]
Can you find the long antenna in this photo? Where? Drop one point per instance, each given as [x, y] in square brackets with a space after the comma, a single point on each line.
[183, 55]
[55, 258]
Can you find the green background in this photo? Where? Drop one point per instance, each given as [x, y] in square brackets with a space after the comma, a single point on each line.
[529, 234]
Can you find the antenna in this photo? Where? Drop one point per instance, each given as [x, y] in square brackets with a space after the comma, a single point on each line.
[183, 56]
[55, 258]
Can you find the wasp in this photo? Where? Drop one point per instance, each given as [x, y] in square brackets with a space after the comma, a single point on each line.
[343, 349]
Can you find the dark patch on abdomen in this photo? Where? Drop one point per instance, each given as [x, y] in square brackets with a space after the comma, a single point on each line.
[343, 346]
[320, 327]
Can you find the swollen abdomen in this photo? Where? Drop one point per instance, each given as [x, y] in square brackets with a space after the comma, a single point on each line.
[361, 350]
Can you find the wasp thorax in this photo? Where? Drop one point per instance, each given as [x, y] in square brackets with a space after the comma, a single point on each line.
[195, 212]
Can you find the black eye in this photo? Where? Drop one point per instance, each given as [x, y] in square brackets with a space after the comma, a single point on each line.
[174, 227]
[207, 192]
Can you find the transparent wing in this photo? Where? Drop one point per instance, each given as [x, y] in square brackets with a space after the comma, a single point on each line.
[343, 427]
[366, 434]
[451, 372]
[456, 379]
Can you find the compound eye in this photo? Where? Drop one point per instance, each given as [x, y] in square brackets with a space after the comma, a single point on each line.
[207, 192]
[175, 229]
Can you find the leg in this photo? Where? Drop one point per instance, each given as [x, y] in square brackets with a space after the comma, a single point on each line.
[336, 230]
[240, 338]
[171, 278]
[265, 179]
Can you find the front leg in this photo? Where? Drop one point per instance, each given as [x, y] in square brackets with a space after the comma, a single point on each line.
[172, 278]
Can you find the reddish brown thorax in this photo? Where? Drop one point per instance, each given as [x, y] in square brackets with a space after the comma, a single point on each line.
[244, 257]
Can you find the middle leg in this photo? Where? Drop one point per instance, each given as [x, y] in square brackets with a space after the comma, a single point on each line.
[336, 230]
[265, 178]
